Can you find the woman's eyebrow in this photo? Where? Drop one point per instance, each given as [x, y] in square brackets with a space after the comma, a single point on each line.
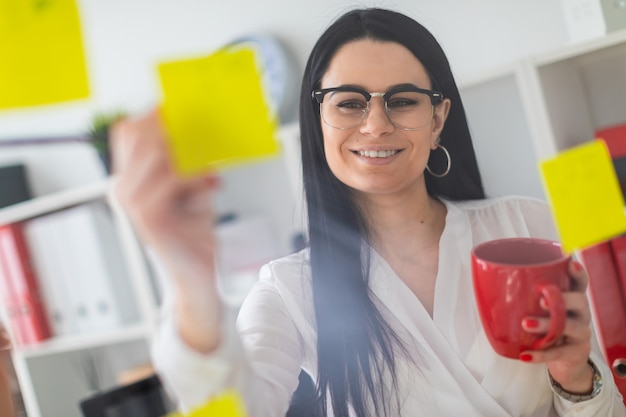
[403, 85]
[360, 87]
[392, 87]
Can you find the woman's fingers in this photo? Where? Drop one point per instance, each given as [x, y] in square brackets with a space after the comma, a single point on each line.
[567, 351]
[577, 331]
[578, 275]
[572, 349]
[131, 132]
[576, 307]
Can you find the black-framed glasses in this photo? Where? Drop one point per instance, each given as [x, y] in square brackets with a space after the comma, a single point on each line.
[407, 106]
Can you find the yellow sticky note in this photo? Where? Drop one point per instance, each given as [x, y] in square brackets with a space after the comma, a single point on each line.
[42, 59]
[216, 111]
[229, 404]
[584, 195]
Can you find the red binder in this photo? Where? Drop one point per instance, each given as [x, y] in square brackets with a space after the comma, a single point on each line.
[618, 246]
[609, 305]
[9, 303]
[30, 324]
[615, 138]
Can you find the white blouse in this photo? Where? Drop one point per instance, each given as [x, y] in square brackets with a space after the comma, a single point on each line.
[455, 371]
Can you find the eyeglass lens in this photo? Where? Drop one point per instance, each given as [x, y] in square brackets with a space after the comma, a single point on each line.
[406, 109]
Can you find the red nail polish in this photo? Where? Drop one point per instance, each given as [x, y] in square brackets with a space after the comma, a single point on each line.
[530, 323]
[525, 357]
[577, 267]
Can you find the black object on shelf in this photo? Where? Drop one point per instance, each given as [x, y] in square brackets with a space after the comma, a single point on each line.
[144, 398]
[620, 169]
[14, 186]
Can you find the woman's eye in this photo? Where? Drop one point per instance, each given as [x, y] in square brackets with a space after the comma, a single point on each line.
[401, 102]
[352, 104]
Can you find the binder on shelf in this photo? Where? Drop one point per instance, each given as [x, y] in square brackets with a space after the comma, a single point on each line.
[40, 235]
[91, 300]
[14, 186]
[9, 301]
[615, 139]
[93, 269]
[609, 306]
[19, 278]
[114, 262]
[56, 244]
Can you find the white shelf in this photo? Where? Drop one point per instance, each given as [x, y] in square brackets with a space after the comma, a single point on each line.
[49, 203]
[87, 341]
[583, 48]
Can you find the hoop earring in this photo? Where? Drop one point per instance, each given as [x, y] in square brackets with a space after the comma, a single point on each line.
[443, 174]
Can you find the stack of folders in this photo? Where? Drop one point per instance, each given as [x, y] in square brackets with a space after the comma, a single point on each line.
[84, 282]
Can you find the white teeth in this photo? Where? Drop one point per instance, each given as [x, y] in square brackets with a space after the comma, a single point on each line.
[377, 154]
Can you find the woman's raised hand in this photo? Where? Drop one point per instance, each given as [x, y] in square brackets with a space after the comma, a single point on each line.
[174, 216]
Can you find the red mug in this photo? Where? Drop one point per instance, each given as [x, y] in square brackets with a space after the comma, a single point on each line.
[510, 278]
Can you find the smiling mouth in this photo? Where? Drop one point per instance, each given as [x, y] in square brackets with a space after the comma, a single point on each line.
[377, 154]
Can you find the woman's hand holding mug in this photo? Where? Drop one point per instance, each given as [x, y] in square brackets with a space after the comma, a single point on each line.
[532, 303]
[567, 361]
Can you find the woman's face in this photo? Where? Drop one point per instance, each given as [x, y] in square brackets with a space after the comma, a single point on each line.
[401, 155]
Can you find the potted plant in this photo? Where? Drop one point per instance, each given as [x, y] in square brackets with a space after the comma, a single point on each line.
[98, 135]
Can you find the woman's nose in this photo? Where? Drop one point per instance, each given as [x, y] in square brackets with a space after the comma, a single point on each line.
[377, 121]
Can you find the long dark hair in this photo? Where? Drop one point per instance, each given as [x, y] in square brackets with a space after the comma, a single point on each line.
[355, 344]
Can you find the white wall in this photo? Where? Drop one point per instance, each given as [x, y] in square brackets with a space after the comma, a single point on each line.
[126, 38]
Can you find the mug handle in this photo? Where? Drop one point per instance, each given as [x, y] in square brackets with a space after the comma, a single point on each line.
[556, 306]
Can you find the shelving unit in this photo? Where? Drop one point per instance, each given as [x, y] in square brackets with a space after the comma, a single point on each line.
[530, 110]
[39, 366]
[583, 89]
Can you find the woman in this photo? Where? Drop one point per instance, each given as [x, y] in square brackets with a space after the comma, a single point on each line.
[379, 309]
